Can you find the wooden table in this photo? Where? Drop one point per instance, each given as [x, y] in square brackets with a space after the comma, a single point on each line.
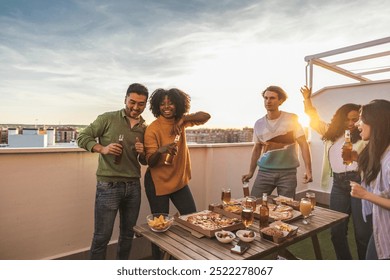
[180, 244]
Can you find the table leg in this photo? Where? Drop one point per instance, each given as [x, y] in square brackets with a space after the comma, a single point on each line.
[316, 246]
[166, 256]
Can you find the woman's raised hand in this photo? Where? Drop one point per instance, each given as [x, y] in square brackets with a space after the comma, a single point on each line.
[306, 92]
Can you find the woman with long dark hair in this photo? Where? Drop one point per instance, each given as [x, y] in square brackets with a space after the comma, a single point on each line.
[340, 198]
[374, 164]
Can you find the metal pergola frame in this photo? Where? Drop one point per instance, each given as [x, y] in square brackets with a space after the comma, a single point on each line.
[319, 60]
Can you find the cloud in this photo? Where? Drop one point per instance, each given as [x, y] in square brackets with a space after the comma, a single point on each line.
[83, 54]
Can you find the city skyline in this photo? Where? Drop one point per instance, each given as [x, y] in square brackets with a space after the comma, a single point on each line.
[66, 62]
[34, 136]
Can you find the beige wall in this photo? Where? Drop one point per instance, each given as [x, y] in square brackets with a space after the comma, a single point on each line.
[46, 203]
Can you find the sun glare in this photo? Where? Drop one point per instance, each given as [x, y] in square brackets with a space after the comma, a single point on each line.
[303, 119]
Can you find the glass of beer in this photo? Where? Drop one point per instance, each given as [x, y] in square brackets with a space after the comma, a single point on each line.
[226, 195]
[312, 197]
[247, 216]
[250, 201]
[305, 208]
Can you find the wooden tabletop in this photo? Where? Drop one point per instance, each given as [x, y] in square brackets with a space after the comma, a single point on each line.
[179, 243]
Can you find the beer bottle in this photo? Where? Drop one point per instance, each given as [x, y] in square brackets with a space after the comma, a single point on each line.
[245, 189]
[117, 159]
[347, 148]
[169, 157]
[264, 212]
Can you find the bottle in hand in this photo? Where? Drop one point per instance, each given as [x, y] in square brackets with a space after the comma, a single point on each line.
[169, 157]
[347, 148]
[264, 212]
[118, 158]
[245, 189]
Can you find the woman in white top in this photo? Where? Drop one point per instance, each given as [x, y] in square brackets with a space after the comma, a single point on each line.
[340, 198]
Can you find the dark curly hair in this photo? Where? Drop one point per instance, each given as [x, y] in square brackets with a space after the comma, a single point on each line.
[376, 114]
[176, 96]
[337, 125]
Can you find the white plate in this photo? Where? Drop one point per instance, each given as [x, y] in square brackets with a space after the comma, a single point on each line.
[241, 234]
[225, 236]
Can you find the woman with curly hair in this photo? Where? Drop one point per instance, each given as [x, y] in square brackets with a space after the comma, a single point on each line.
[165, 182]
[340, 198]
[374, 163]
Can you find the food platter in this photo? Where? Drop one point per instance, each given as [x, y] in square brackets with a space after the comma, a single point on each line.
[233, 208]
[277, 212]
[209, 222]
[287, 201]
[282, 199]
[280, 212]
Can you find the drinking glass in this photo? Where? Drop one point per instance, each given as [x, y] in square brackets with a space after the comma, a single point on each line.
[250, 201]
[305, 208]
[247, 216]
[226, 196]
[312, 197]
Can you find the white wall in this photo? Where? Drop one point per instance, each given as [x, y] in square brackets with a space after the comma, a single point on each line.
[27, 140]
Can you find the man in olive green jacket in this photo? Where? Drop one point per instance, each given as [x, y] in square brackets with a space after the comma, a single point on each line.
[118, 138]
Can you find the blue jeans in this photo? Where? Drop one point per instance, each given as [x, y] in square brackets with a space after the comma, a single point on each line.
[341, 200]
[182, 199]
[285, 182]
[111, 197]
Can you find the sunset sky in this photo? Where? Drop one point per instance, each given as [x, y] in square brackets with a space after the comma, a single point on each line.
[65, 62]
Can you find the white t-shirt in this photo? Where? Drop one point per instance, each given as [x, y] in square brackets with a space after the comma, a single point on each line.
[279, 136]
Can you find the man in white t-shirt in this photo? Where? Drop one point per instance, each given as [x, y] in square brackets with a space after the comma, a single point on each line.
[275, 152]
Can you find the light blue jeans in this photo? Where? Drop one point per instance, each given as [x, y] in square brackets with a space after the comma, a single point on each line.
[112, 197]
[285, 181]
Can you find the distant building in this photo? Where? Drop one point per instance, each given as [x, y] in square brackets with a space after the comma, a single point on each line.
[246, 134]
[217, 135]
[3, 135]
[65, 134]
[30, 137]
[51, 138]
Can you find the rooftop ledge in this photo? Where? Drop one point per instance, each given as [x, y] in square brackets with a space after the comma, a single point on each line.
[70, 149]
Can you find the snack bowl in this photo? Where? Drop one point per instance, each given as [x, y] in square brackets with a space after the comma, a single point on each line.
[246, 235]
[273, 234]
[225, 236]
[159, 222]
[292, 230]
[278, 231]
